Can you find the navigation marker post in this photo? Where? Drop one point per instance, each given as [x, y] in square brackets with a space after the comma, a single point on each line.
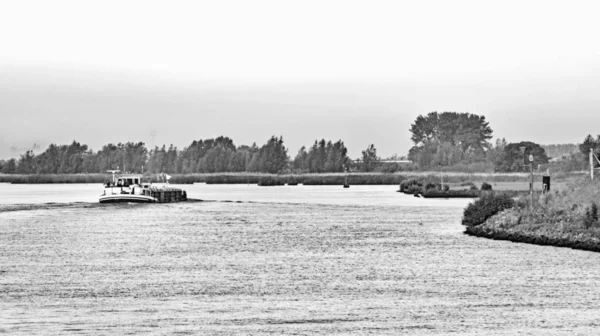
[592, 157]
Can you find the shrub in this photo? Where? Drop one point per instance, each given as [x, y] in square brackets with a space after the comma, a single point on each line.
[431, 185]
[435, 193]
[446, 187]
[410, 184]
[591, 216]
[270, 181]
[485, 207]
[486, 186]
[413, 189]
[473, 187]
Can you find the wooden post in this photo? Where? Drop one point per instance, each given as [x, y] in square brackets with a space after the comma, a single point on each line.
[531, 185]
[592, 163]
[442, 177]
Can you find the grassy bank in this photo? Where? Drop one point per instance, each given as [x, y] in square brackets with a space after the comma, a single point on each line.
[451, 178]
[564, 217]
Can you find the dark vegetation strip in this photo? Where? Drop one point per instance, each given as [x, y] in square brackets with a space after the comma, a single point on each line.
[275, 179]
[427, 188]
[584, 243]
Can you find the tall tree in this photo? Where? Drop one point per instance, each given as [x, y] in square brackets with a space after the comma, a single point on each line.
[496, 153]
[469, 133]
[9, 166]
[300, 163]
[26, 164]
[369, 158]
[589, 143]
[273, 156]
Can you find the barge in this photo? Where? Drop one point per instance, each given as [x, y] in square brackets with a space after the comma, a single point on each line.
[126, 188]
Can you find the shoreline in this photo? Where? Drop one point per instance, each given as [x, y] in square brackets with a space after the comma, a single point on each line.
[562, 218]
[583, 243]
[353, 178]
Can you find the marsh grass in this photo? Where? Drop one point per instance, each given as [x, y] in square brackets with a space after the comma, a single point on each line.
[53, 178]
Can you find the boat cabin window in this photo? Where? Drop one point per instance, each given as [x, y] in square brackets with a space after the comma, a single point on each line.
[126, 182]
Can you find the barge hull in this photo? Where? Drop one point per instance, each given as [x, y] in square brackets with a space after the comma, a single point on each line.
[127, 199]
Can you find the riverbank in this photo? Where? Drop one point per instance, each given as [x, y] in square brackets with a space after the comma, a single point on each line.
[356, 178]
[563, 218]
[545, 239]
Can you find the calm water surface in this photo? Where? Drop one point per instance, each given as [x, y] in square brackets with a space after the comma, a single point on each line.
[277, 260]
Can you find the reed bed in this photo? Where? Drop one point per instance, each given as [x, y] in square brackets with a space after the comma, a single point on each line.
[355, 178]
[53, 178]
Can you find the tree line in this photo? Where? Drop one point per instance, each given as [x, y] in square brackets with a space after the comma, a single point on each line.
[447, 140]
[460, 140]
[201, 156]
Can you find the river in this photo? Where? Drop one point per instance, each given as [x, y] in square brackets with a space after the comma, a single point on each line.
[297, 260]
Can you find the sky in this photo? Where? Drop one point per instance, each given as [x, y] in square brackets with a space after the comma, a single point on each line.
[359, 71]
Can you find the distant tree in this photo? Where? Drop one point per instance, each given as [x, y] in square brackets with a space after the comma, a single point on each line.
[423, 154]
[128, 156]
[9, 166]
[369, 158]
[496, 153]
[26, 163]
[446, 154]
[462, 137]
[513, 161]
[317, 156]
[239, 160]
[272, 156]
[300, 163]
[323, 156]
[171, 158]
[561, 150]
[590, 142]
[208, 156]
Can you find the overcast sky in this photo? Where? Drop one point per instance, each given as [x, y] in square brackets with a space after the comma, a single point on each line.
[360, 71]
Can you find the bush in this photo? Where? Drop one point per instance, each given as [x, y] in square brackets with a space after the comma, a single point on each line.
[485, 207]
[486, 186]
[410, 185]
[270, 181]
[413, 189]
[446, 187]
[591, 216]
[434, 193]
[432, 185]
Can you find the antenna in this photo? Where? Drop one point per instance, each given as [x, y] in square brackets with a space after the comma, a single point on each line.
[14, 151]
[153, 136]
[113, 173]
